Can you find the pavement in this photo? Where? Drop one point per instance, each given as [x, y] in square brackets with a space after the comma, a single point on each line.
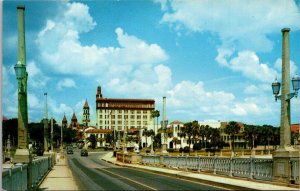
[61, 178]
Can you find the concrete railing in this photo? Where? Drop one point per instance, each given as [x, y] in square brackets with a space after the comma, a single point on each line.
[15, 177]
[253, 168]
[295, 170]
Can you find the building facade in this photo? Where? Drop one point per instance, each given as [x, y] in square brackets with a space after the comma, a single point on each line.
[118, 114]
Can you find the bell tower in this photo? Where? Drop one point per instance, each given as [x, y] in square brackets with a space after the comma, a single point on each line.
[86, 114]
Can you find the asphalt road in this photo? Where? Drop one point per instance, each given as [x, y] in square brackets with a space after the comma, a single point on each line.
[92, 173]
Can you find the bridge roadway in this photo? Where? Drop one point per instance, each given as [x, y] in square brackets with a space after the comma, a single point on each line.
[92, 173]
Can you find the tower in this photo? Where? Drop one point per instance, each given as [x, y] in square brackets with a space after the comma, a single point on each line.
[74, 122]
[64, 122]
[86, 114]
[99, 93]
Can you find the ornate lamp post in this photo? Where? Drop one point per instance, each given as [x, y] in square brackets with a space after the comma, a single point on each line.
[282, 156]
[22, 152]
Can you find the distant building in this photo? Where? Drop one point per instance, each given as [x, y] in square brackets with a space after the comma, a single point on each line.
[295, 128]
[86, 114]
[119, 114]
[74, 123]
[100, 135]
[239, 141]
[64, 123]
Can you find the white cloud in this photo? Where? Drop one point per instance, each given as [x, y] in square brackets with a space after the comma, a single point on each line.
[257, 89]
[293, 67]
[66, 83]
[33, 102]
[234, 21]
[58, 36]
[248, 63]
[36, 78]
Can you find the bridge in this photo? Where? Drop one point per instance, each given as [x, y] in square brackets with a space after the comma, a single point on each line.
[102, 171]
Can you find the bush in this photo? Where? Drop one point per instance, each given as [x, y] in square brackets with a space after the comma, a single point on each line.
[197, 147]
[186, 149]
[170, 150]
[212, 150]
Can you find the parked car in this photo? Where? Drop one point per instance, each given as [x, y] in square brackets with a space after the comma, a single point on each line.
[69, 150]
[84, 152]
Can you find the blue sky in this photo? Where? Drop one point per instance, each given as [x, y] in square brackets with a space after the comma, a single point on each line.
[213, 60]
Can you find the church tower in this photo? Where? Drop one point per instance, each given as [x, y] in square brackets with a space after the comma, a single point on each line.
[86, 114]
[64, 122]
[74, 122]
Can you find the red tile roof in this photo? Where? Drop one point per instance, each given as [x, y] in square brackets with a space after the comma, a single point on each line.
[295, 128]
[99, 131]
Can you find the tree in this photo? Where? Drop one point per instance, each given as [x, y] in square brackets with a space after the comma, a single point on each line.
[109, 138]
[215, 137]
[92, 140]
[191, 129]
[174, 140]
[250, 134]
[10, 127]
[148, 133]
[266, 132]
[155, 114]
[231, 129]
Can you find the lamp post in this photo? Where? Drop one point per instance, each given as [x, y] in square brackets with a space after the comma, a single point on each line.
[164, 124]
[282, 156]
[125, 139]
[61, 143]
[22, 152]
[46, 148]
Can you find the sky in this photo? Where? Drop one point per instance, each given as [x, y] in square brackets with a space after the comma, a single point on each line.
[213, 60]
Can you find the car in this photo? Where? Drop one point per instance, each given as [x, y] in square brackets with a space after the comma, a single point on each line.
[69, 150]
[84, 152]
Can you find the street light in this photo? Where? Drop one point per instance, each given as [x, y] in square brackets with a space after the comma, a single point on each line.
[283, 155]
[296, 86]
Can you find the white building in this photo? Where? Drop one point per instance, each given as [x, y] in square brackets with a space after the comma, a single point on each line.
[124, 114]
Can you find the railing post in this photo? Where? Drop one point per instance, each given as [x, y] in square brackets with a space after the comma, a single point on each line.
[186, 162]
[215, 165]
[251, 167]
[198, 164]
[231, 166]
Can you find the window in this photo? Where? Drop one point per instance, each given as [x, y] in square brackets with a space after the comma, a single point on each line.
[132, 117]
[119, 116]
[138, 117]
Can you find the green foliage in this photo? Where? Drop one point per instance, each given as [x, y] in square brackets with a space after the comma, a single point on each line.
[92, 140]
[231, 129]
[10, 127]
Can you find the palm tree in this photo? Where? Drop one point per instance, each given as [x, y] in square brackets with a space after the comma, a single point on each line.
[231, 129]
[174, 140]
[266, 133]
[249, 134]
[191, 129]
[155, 114]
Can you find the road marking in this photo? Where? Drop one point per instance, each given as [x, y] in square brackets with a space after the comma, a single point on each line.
[150, 188]
[181, 178]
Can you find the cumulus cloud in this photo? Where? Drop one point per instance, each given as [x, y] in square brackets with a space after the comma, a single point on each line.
[234, 21]
[248, 63]
[62, 50]
[36, 78]
[66, 83]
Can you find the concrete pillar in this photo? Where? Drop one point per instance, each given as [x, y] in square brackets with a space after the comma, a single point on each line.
[283, 155]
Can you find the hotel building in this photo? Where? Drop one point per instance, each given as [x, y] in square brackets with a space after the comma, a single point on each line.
[118, 114]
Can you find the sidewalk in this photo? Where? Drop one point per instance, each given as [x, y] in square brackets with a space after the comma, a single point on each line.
[214, 179]
[59, 178]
